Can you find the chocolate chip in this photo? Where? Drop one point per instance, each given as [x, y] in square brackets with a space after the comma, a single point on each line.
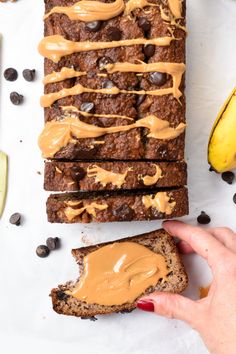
[157, 78]
[53, 243]
[144, 24]
[107, 84]
[102, 62]
[10, 74]
[42, 251]
[61, 295]
[114, 34]
[77, 173]
[16, 98]
[203, 218]
[29, 75]
[93, 318]
[140, 99]
[123, 213]
[15, 219]
[149, 50]
[88, 107]
[234, 198]
[93, 26]
[228, 177]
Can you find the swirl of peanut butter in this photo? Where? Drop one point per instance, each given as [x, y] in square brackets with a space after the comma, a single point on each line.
[71, 213]
[58, 134]
[88, 11]
[65, 73]
[150, 180]
[175, 8]
[118, 273]
[160, 201]
[105, 177]
[55, 47]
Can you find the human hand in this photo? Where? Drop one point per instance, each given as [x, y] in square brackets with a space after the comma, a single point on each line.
[214, 317]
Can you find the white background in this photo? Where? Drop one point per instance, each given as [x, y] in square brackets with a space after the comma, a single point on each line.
[27, 322]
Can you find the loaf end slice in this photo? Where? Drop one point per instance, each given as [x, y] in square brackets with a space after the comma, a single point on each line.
[157, 241]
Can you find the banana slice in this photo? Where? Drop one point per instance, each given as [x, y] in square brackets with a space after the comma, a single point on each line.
[222, 142]
[3, 180]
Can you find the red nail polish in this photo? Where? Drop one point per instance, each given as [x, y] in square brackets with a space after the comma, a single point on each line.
[145, 305]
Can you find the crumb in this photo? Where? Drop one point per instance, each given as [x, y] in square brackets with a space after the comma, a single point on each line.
[39, 173]
[20, 140]
[86, 240]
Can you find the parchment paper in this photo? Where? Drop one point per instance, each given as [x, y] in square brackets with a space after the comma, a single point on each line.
[27, 322]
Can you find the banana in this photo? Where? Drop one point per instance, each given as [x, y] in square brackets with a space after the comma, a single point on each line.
[222, 141]
[3, 180]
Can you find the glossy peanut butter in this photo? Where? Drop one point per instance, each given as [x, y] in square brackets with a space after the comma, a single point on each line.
[150, 180]
[68, 109]
[65, 73]
[131, 5]
[71, 213]
[58, 134]
[105, 177]
[119, 273]
[88, 11]
[55, 47]
[160, 201]
[175, 8]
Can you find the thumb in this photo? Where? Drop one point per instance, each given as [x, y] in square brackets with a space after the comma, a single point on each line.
[170, 306]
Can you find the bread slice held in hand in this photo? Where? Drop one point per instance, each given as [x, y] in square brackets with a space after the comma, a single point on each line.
[152, 264]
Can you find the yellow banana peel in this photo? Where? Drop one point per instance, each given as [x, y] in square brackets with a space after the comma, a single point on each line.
[222, 141]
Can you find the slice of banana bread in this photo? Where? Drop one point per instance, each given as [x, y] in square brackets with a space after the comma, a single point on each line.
[157, 241]
[86, 207]
[94, 176]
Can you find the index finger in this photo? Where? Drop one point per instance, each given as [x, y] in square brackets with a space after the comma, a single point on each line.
[201, 241]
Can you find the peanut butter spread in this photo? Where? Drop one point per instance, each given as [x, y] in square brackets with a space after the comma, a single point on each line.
[58, 134]
[68, 109]
[88, 11]
[105, 177]
[150, 180]
[161, 202]
[176, 70]
[65, 73]
[119, 273]
[175, 8]
[55, 47]
[71, 213]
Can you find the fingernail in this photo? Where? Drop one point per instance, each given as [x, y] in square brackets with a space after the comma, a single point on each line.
[145, 306]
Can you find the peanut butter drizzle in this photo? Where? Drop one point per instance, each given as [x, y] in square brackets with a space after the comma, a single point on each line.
[150, 180]
[161, 202]
[55, 47]
[71, 213]
[175, 8]
[50, 98]
[105, 177]
[118, 273]
[65, 73]
[176, 70]
[131, 5]
[68, 109]
[58, 134]
[90, 10]
[97, 11]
